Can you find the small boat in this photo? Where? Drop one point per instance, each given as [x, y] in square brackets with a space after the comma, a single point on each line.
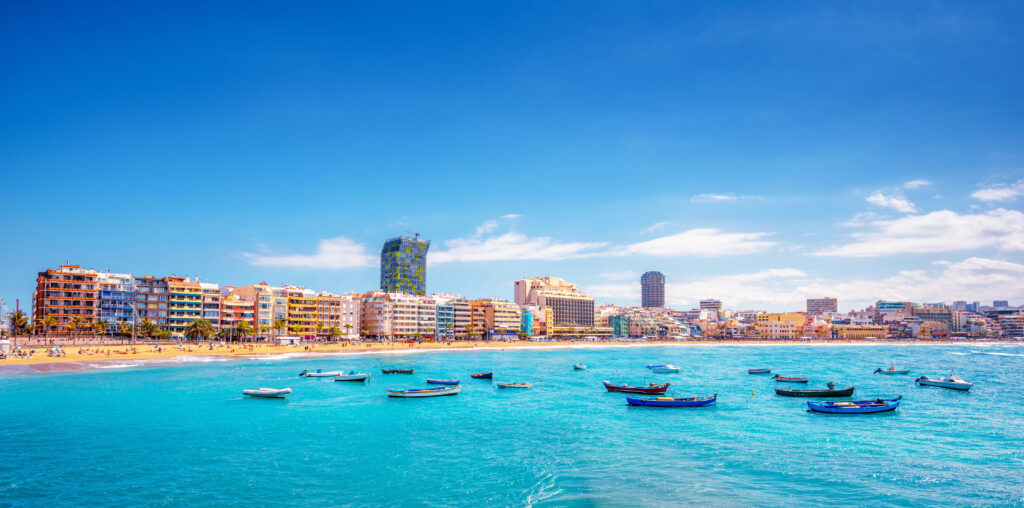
[831, 391]
[443, 381]
[854, 406]
[351, 376]
[396, 371]
[440, 391]
[951, 381]
[268, 393]
[663, 369]
[673, 401]
[319, 373]
[579, 366]
[482, 375]
[651, 388]
[759, 371]
[891, 371]
[784, 379]
[514, 385]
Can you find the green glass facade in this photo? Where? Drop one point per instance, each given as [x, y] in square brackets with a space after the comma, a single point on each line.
[403, 265]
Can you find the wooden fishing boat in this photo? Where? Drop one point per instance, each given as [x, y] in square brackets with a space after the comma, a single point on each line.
[784, 379]
[415, 393]
[319, 373]
[951, 381]
[482, 375]
[891, 371]
[351, 376]
[396, 371]
[443, 381]
[854, 406]
[663, 369]
[759, 371]
[650, 389]
[827, 392]
[514, 385]
[268, 393]
[673, 401]
[579, 366]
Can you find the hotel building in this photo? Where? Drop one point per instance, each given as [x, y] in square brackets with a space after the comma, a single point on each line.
[65, 293]
[403, 265]
[151, 300]
[652, 289]
[496, 318]
[184, 305]
[302, 311]
[117, 299]
[572, 310]
[211, 302]
[398, 316]
[822, 306]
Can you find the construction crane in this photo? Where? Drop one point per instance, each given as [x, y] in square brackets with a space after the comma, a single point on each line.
[413, 233]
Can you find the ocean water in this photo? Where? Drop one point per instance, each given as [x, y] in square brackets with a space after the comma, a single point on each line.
[182, 435]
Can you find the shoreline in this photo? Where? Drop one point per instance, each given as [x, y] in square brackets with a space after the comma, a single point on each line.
[79, 357]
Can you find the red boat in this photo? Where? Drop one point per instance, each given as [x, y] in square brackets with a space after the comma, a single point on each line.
[784, 379]
[651, 388]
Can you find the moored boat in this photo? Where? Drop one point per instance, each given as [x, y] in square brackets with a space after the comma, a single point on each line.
[396, 371]
[831, 391]
[514, 385]
[443, 381]
[319, 373]
[415, 393]
[951, 381]
[351, 376]
[579, 366]
[664, 369]
[784, 379]
[651, 388]
[673, 401]
[482, 375]
[891, 371]
[268, 393]
[759, 371]
[854, 406]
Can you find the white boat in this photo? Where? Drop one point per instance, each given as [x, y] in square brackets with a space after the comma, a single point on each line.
[268, 393]
[951, 381]
[579, 366]
[351, 376]
[440, 391]
[663, 369]
[514, 385]
[320, 373]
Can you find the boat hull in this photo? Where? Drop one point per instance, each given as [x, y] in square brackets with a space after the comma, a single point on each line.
[650, 390]
[842, 392]
[781, 379]
[674, 402]
[449, 382]
[483, 375]
[396, 371]
[579, 366]
[665, 370]
[963, 387]
[759, 371]
[322, 374]
[854, 407]
[514, 385]
[266, 393]
[419, 393]
[352, 377]
[892, 372]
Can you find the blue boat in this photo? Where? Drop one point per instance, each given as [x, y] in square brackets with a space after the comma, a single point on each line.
[443, 381]
[854, 406]
[482, 375]
[673, 401]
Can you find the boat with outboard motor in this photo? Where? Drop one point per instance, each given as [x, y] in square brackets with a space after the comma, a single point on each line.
[831, 391]
[673, 401]
[651, 388]
[953, 382]
[878, 405]
[351, 376]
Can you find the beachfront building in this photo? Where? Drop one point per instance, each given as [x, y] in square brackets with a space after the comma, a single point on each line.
[184, 305]
[572, 310]
[234, 311]
[116, 299]
[398, 316]
[302, 311]
[934, 312]
[453, 316]
[713, 309]
[211, 302]
[848, 332]
[328, 313]
[263, 297]
[151, 300]
[403, 265]
[620, 325]
[64, 294]
[496, 318]
[652, 289]
[822, 306]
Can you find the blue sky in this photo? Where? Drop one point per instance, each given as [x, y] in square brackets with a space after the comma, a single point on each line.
[759, 153]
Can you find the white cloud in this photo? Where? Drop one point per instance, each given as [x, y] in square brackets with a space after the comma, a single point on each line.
[862, 219]
[339, 252]
[511, 216]
[711, 198]
[1001, 192]
[486, 227]
[620, 276]
[940, 231]
[898, 203]
[657, 226]
[512, 246]
[913, 184]
[781, 289]
[700, 242]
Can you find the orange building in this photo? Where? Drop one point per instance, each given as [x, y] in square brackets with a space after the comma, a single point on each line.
[66, 293]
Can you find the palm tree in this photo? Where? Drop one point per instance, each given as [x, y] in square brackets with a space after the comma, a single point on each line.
[224, 334]
[147, 328]
[319, 328]
[76, 324]
[100, 326]
[280, 324]
[124, 328]
[200, 329]
[348, 330]
[469, 331]
[18, 322]
[244, 329]
[334, 332]
[48, 323]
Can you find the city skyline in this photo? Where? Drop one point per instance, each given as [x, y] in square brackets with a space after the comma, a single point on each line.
[756, 165]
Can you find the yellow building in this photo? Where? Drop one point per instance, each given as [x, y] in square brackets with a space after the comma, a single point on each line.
[777, 329]
[185, 303]
[302, 311]
[861, 331]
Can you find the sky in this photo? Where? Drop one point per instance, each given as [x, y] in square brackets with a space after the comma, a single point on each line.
[761, 153]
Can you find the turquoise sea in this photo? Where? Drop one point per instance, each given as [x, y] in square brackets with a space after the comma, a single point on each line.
[182, 435]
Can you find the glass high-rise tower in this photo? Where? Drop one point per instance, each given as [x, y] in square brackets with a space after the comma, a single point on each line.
[652, 289]
[403, 265]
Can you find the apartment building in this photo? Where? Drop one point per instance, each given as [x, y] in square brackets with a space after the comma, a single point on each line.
[64, 294]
